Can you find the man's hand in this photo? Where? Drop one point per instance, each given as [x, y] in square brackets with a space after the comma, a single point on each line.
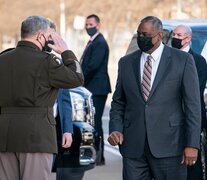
[59, 45]
[115, 138]
[190, 156]
[67, 140]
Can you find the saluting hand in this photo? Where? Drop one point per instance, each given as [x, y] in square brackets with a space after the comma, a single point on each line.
[115, 138]
[59, 45]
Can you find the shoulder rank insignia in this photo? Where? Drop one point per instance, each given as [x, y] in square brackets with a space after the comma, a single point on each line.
[57, 59]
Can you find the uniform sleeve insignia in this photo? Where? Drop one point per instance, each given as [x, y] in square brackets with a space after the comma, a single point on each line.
[56, 59]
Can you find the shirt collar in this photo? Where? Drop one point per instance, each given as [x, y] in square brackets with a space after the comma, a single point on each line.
[28, 44]
[156, 54]
[186, 49]
[94, 36]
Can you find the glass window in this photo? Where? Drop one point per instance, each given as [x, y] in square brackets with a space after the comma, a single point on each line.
[199, 39]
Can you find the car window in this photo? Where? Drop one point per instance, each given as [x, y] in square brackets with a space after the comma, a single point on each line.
[167, 34]
[199, 40]
[204, 51]
[133, 44]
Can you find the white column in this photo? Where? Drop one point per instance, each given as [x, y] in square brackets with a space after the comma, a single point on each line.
[62, 18]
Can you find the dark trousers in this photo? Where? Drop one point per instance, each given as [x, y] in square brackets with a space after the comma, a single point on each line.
[147, 167]
[99, 104]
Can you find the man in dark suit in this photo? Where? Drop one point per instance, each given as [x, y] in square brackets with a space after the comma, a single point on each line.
[30, 79]
[181, 39]
[63, 118]
[94, 62]
[155, 113]
[64, 129]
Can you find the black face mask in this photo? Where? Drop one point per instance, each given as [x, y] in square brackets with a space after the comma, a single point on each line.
[91, 31]
[176, 43]
[145, 43]
[46, 47]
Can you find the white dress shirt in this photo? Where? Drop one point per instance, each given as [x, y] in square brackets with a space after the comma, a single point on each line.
[186, 49]
[94, 36]
[156, 55]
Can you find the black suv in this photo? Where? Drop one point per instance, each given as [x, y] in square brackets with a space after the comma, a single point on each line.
[81, 156]
[83, 147]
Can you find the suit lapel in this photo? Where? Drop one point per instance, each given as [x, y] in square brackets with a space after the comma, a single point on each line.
[88, 46]
[136, 69]
[162, 68]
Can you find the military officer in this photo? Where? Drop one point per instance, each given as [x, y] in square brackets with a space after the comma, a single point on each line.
[30, 79]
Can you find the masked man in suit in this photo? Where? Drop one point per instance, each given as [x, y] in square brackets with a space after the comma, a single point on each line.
[155, 113]
[181, 39]
[94, 63]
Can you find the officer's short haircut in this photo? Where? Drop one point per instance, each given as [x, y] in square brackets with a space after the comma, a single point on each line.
[52, 25]
[97, 19]
[33, 24]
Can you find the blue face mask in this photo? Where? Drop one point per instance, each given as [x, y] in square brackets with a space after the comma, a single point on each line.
[91, 31]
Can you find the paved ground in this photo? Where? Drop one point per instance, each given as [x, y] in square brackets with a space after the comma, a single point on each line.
[113, 168]
[111, 171]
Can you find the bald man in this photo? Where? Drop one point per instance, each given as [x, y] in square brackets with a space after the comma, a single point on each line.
[181, 39]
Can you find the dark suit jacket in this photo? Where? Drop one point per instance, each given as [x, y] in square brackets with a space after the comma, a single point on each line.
[201, 67]
[170, 119]
[65, 110]
[95, 67]
[29, 82]
[64, 116]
